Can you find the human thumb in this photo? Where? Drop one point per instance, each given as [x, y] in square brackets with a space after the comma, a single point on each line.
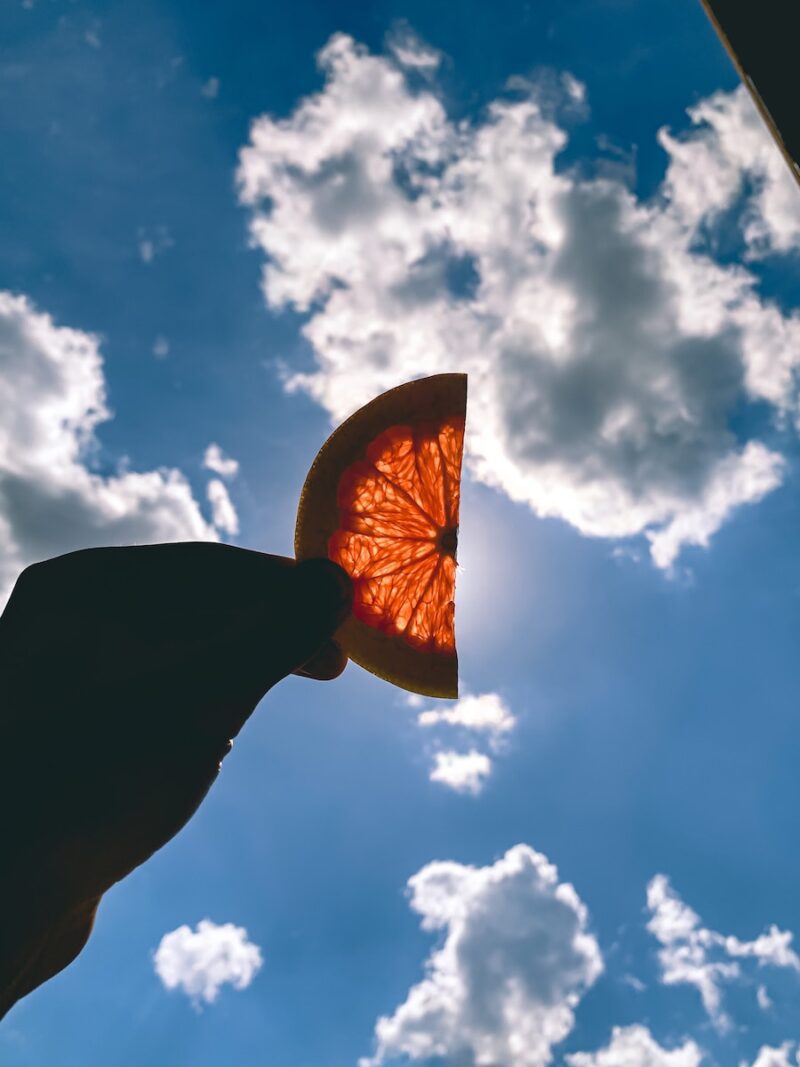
[320, 597]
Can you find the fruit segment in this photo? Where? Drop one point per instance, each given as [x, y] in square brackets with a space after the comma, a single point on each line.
[397, 536]
[381, 499]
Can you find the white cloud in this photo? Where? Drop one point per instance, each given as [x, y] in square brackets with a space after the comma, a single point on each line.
[210, 89]
[684, 955]
[772, 1056]
[199, 962]
[222, 510]
[709, 167]
[214, 459]
[52, 396]
[464, 772]
[153, 241]
[480, 713]
[634, 1046]
[773, 947]
[693, 955]
[744, 478]
[515, 959]
[410, 51]
[607, 349]
[575, 90]
[763, 998]
[92, 36]
[161, 347]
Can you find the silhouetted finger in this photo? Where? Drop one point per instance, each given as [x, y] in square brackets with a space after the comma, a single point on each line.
[326, 665]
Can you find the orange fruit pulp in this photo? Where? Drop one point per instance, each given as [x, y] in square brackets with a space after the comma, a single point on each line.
[382, 501]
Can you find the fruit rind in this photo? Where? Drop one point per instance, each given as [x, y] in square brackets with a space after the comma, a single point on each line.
[425, 400]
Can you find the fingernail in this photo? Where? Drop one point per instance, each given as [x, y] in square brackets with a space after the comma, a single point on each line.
[325, 665]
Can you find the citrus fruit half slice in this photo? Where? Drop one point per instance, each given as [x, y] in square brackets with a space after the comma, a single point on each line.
[381, 500]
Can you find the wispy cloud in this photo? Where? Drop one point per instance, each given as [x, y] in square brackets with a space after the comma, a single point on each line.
[153, 241]
[410, 51]
[763, 999]
[214, 459]
[692, 954]
[161, 347]
[92, 35]
[223, 512]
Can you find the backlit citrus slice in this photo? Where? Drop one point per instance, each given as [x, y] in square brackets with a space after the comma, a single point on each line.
[381, 499]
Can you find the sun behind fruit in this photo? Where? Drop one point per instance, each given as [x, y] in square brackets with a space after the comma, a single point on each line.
[381, 499]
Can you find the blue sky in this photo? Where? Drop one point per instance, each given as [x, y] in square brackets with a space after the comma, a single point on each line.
[630, 583]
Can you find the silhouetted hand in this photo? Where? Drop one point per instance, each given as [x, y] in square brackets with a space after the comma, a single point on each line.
[124, 674]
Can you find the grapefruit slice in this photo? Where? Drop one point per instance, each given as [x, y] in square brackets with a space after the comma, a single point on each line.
[381, 500]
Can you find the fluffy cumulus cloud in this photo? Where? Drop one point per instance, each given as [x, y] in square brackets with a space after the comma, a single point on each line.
[693, 955]
[478, 717]
[777, 1056]
[708, 171]
[52, 398]
[463, 772]
[199, 962]
[608, 350]
[634, 1046]
[484, 713]
[515, 958]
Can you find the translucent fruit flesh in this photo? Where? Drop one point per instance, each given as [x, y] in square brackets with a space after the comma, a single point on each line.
[398, 532]
[381, 499]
